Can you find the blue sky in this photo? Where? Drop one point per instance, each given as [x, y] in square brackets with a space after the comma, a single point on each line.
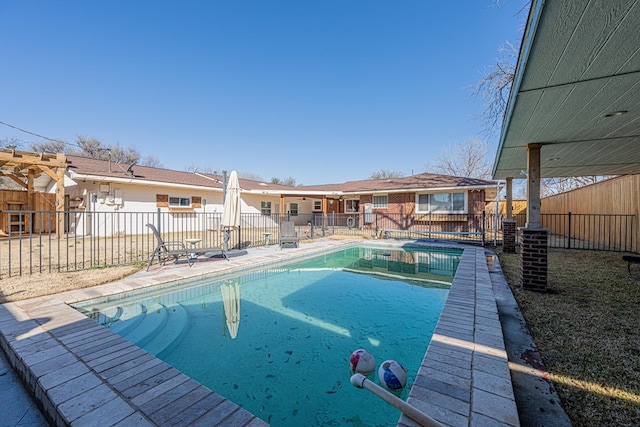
[323, 91]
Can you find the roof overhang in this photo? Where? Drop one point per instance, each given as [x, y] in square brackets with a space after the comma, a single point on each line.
[135, 181]
[300, 192]
[576, 91]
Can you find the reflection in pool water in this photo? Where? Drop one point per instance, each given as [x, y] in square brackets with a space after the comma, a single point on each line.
[278, 341]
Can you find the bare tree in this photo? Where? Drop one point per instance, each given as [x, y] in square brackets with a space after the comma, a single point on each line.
[551, 186]
[385, 174]
[50, 146]
[496, 80]
[494, 87]
[289, 182]
[95, 149]
[468, 158]
[250, 175]
[151, 161]
[12, 143]
[200, 169]
[89, 147]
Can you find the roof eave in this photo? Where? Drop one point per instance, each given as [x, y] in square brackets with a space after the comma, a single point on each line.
[150, 183]
[423, 189]
[527, 41]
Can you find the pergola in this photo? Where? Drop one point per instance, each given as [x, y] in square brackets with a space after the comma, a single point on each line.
[25, 167]
[574, 108]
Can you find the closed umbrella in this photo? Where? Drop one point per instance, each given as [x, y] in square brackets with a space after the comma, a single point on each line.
[231, 207]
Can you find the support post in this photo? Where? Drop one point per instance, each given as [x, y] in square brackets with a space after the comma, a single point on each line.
[533, 246]
[509, 224]
[60, 199]
[509, 199]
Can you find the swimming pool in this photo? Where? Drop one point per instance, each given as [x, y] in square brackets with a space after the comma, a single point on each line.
[297, 325]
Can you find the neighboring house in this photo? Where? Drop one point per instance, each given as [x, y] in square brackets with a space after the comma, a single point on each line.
[423, 197]
[102, 186]
[105, 187]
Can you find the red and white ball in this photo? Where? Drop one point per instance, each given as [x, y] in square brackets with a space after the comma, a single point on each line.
[362, 362]
[392, 375]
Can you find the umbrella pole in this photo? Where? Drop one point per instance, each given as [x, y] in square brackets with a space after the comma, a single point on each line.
[224, 323]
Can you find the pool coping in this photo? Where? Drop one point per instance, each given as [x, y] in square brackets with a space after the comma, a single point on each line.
[81, 373]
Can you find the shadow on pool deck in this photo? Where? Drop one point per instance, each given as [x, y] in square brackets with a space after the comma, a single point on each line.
[157, 401]
[537, 399]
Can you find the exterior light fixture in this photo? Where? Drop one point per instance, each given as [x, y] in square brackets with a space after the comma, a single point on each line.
[616, 113]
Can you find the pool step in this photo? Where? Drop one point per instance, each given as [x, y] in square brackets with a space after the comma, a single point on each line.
[175, 328]
[130, 317]
[155, 327]
[108, 317]
[152, 323]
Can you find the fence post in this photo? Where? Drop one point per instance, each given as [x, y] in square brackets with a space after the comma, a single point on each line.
[325, 224]
[484, 218]
[313, 221]
[496, 220]
[569, 232]
[159, 227]
[377, 229]
[333, 223]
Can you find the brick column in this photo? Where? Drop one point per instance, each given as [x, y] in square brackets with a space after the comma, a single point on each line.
[533, 258]
[509, 236]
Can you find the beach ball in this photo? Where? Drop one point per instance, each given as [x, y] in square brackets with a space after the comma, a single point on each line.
[392, 375]
[362, 362]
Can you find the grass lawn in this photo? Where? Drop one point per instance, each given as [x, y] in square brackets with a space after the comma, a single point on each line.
[587, 329]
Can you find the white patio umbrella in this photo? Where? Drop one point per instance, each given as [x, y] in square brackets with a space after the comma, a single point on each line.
[231, 303]
[231, 207]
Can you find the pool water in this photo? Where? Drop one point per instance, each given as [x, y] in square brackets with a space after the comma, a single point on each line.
[282, 349]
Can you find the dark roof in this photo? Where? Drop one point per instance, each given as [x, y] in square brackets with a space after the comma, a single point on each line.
[104, 168]
[420, 181]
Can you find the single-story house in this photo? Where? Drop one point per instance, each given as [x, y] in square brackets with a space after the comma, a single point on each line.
[103, 187]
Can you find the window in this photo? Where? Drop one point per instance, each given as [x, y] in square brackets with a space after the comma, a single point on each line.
[381, 202]
[265, 208]
[293, 209]
[423, 203]
[458, 202]
[441, 203]
[182, 202]
[351, 206]
[317, 205]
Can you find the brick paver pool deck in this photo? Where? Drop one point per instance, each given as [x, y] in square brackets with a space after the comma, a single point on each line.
[80, 373]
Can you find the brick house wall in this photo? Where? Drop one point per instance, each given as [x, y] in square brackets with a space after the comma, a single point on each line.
[476, 200]
[401, 214]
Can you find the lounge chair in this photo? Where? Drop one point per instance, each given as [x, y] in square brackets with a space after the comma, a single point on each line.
[177, 250]
[166, 250]
[288, 235]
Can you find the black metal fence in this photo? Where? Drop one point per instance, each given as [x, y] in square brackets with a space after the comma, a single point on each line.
[93, 239]
[602, 232]
[460, 227]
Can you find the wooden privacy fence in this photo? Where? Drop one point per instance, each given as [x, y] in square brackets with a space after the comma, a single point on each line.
[21, 218]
